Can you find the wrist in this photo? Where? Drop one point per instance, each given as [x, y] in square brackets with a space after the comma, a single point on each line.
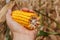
[19, 36]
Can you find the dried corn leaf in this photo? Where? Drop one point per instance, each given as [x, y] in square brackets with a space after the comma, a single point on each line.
[2, 3]
[4, 11]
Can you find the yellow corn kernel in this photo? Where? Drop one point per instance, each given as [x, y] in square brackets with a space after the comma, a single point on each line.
[23, 13]
[21, 18]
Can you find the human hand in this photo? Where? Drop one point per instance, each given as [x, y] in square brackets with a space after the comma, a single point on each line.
[18, 30]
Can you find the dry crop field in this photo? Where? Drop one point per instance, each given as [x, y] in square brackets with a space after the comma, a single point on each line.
[49, 12]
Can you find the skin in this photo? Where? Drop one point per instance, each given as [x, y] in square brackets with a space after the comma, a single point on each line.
[19, 32]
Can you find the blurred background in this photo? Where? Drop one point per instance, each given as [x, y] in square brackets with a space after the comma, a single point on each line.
[49, 12]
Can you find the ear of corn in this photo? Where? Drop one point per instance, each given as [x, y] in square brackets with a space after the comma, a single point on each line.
[25, 18]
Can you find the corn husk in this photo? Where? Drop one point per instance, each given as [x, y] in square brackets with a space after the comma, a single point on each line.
[4, 11]
[2, 3]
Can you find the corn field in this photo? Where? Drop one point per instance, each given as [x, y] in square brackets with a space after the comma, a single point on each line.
[49, 12]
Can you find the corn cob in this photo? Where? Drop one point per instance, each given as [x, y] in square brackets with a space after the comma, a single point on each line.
[27, 19]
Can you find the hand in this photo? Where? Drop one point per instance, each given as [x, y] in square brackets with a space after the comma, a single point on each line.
[18, 30]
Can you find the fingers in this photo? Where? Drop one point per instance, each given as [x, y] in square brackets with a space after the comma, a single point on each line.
[26, 9]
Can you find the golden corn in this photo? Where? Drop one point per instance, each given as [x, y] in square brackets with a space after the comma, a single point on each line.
[25, 18]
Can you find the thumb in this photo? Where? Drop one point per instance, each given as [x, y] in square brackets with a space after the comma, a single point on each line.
[8, 16]
[9, 11]
[27, 10]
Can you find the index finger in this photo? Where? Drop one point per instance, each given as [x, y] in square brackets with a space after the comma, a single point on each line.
[27, 10]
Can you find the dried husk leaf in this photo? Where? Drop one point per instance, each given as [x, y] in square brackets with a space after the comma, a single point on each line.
[4, 11]
[2, 3]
